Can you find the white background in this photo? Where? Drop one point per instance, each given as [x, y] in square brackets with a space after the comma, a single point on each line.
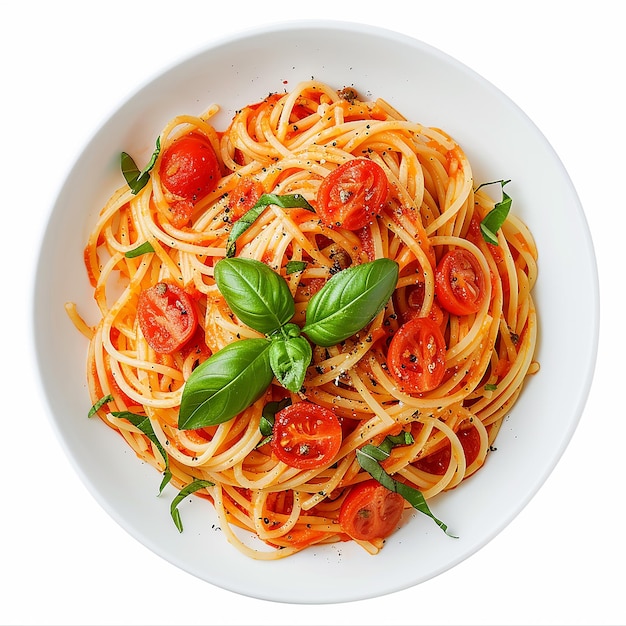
[65, 67]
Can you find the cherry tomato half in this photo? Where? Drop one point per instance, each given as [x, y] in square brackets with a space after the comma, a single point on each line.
[417, 355]
[189, 171]
[167, 317]
[370, 511]
[306, 435]
[459, 282]
[352, 193]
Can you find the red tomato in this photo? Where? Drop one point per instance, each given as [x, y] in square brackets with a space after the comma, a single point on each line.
[370, 511]
[306, 435]
[417, 355]
[470, 440]
[244, 196]
[167, 317]
[415, 300]
[352, 193]
[301, 537]
[437, 462]
[459, 282]
[189, 171]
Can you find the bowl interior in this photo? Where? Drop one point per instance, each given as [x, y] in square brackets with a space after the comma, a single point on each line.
[501, 142]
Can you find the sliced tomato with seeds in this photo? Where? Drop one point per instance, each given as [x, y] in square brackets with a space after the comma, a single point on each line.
[244, 196]
[167, 317]
[352, 194]
[370, 511]
[460, 282]
[417, 355]
[306, 435]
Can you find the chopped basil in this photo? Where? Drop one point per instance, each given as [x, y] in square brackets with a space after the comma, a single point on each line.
[295, 266]
[290, 201]
[369, 458]
[142, 422]
[99, 404]
[136, 179]
[490, 387]
[192, 487]
[144, 248]
[266, 425]
[405, 438]
[492, 222]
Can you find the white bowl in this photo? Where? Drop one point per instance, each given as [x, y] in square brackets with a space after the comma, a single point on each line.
[501, 142]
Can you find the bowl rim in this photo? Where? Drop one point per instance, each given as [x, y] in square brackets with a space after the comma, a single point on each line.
[266, 30]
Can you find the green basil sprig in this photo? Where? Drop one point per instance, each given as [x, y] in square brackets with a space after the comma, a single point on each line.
[143, 423]
[192, 487]
[295, 266]
[144, 248]
[99, 404]
[257, 295]
[268, 416]
[290, 355]
[136, 179]
[369, 458]
[493, 221]
[289, 201]
[233, 378]
[349, 301]
[225, 384]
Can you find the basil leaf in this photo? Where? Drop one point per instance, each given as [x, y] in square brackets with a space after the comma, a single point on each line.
[383, 451]
[225, 384]
[99, 404]
[295, 266]
[130, 171]
[405, 438]
[256, 294]
[291, 201]
[369, 458]
[192, 487]
[143, 423]
[144, 248]
[266, 424]
[137, 180]
[349, 301]
[493, 221]
[289, 359]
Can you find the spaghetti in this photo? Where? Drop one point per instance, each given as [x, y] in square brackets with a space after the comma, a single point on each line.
[288, 145]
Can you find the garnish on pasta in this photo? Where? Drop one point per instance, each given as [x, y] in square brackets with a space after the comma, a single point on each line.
[323, 318]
